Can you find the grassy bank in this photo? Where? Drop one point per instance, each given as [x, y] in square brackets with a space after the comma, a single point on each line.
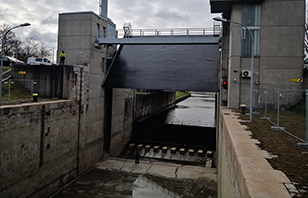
[5, 68]
[287, 157]
[18, 93]
[180, 94]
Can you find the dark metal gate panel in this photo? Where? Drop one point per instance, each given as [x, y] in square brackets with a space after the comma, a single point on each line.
[165, 67]
[168, 134]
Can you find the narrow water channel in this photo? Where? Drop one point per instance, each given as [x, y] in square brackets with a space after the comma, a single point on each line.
[197, 110]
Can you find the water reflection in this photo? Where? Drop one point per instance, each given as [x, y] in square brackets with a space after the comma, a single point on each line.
[144, 187]
[197, 110]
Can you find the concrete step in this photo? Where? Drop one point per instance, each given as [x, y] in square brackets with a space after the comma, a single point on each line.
[172, 153]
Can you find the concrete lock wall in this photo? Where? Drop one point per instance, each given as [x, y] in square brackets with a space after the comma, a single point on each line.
[242, 169]
[77, 35]
[68, 138]
[148, 104]
[122, 119]
[38, 151]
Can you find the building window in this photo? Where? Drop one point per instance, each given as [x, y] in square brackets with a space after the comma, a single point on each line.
[251, 17]
[104, 32]
[98, 31]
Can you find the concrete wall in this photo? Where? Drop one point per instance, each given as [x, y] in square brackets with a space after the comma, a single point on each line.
[38, 151]
[148, 104]
[242, 168]
[49, 85]
[77, 35]
[281, 51]
[122, 119]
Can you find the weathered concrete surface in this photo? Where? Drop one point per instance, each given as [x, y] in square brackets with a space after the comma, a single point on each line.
[38, 147]
[242, 168]
[117, 177]
[165, 169]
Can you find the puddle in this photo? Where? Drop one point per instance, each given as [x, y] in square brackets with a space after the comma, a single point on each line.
[116, 184]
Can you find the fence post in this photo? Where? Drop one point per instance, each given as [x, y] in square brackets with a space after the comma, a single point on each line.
[265, 110]
[266, 94]
[305, 145]
[32, 90]
[9, 91]
[256, 101]
[278, 111]
[53, 89]
[278, 106]
[306, 116]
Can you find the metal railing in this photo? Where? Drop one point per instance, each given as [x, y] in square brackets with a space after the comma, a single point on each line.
[167, 32]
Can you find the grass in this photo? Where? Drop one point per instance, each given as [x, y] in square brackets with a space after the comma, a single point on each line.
[18, 93]
[5, 68]
[180, 94]
[293, 161]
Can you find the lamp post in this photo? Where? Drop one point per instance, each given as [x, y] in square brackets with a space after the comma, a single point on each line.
[252, 51]
[3, 39]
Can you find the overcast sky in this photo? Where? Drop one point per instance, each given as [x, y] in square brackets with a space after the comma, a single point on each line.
[43, 15]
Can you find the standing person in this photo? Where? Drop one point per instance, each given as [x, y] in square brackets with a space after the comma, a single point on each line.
[62, 58]
[137, 157]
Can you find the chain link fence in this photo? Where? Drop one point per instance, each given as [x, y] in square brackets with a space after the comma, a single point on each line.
[285, 109]
[16, 91]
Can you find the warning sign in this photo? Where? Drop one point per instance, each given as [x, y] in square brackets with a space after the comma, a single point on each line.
[300, 80]
[21, 72]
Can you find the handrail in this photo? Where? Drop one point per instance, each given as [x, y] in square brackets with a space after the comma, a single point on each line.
[168, 32]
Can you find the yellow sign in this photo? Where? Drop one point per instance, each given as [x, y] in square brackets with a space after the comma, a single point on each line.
[296, 80]
[21, 72]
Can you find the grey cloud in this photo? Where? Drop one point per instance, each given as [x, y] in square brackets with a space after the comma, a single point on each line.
[166, 15]
[50, 20]
[172, 18]
[49, 39]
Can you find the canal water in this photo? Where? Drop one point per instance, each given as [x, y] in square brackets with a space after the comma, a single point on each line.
[197, 110]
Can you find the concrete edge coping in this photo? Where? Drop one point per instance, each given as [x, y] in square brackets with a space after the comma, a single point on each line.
[258, 174]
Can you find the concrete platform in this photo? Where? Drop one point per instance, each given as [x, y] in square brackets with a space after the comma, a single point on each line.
[165, 169]
[117, 177]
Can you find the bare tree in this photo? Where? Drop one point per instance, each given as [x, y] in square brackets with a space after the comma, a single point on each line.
[45, 52]
[22, 50]
[11, 42]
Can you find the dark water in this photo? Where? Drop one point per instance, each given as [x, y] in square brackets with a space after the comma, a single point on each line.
[197, 110]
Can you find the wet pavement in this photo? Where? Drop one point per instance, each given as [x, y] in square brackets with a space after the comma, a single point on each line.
[118, 177]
